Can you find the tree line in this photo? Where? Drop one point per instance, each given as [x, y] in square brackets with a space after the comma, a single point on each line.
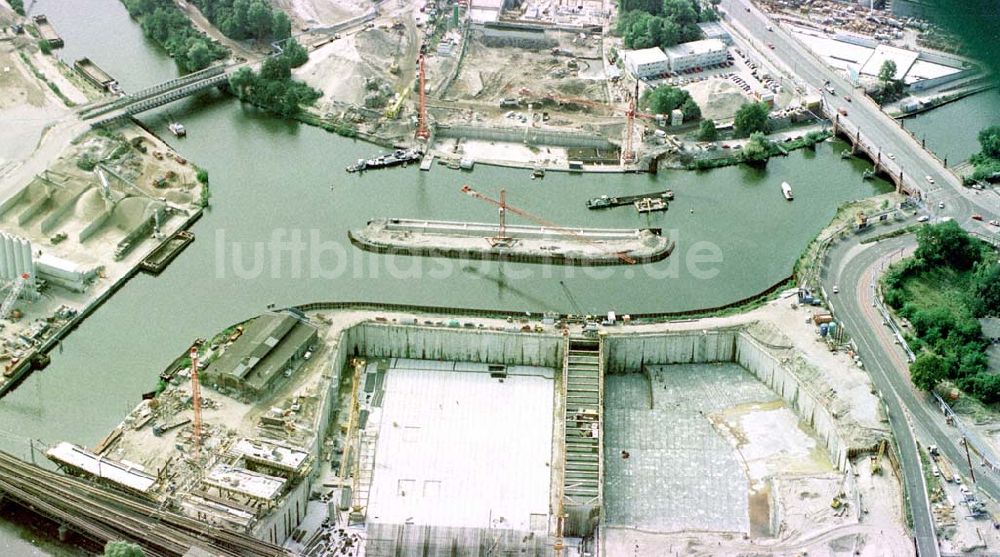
[987, 160]
[163, 22]
[246, 19]
[661, 23]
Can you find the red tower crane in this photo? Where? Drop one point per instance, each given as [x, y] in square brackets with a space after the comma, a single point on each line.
[502, 238]
[196, 400]
[422, 132]
[628, 154]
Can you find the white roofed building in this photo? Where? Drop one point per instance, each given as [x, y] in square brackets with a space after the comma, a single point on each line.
[646, 63]
[696, 54]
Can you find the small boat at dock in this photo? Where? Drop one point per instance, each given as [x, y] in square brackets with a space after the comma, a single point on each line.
[606, 201]
[650, 204]
[786, 190]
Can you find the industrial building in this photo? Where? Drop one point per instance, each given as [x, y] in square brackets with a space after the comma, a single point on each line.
[486, 11]
[521, 35]
[696, 54]
[715, 30]
[646, 63]
[270, 345]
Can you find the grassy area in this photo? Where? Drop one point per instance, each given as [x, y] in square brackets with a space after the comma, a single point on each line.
[41, 76]
[775, 148]
[951, 280]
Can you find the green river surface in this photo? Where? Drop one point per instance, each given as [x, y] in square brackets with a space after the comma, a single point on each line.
[270, 177]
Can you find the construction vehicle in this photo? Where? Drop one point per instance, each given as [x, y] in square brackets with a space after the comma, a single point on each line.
[838, 501]
[392, 111]
[502, 239]
[877, 458]
[160, 429]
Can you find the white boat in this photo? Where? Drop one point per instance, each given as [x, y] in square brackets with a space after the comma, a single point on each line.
[786, 190]
[177, 129]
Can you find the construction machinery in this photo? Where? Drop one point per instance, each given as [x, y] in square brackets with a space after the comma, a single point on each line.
[392, 111]
[877, 458]
[502, 239]
[422, 132]
[15, 292]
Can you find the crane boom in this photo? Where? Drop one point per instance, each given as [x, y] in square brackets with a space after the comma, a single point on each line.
[422, 132]
[502, 205]
[13, 295]
[196, 400]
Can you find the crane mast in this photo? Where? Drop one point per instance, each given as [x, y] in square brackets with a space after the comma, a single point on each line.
[502, 237]
[422, 132]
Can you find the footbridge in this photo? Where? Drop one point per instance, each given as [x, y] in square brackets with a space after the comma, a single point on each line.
[107, 111]
[102, 515]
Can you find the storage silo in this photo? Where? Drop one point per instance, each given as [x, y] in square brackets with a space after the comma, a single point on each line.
[5, 270]
[28, 262]
[10, 256]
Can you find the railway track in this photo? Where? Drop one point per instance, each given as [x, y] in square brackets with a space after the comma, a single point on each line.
[104, 515]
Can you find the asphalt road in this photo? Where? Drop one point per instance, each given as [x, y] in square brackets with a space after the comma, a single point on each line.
[876, 127]
[851, 272]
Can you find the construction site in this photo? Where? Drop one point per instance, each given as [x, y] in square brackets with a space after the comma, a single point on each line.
[334, 430]
[80, 208]
[535, 85]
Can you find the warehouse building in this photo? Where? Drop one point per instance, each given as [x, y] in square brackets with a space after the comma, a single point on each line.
[696, 54]
[646, 63]
[271, 345]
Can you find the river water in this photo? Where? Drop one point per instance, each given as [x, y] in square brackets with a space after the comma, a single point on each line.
[275, 181]
[950, 131]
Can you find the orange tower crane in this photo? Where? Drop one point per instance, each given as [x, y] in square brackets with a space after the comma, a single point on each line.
[196, 400]
[422, 132]
[502, 238]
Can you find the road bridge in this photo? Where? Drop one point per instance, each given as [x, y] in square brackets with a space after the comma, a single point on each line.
[102, 515]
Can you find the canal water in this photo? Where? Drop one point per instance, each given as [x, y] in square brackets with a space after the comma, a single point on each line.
[950, 131]
[281, 208]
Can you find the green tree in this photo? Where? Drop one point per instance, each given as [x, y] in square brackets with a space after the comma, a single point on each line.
[275, 68]
[758, 149]
[294, 53]
[664, 99]
[281, 27]
[707, 131]
[199, 56]
[122, 549]
[986, 287]
[750, 118]
[260, 19]
[887, 72]
[947, 244]
[989, 142]
[928, 370]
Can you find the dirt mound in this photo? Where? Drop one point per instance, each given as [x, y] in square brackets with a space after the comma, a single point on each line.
[89, 205]
[129, 213]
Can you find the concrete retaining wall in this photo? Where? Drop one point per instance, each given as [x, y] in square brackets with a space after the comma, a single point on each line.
[527, 136]
[94, 226]
[630, 353]
[389, 340]
[753, 357]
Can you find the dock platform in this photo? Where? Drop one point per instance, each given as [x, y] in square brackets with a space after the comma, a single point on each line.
[606, 201]
[426, 164]
[527, 244]
[47, 31]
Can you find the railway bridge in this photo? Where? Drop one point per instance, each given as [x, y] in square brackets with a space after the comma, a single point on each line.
[883, 164]
[112, 110]
[101, 514]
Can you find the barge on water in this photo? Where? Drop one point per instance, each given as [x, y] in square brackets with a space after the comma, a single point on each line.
[395, 158]
[159, 258]
[94, 74]
[525, 244]
[47, 31]
[605, 201]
